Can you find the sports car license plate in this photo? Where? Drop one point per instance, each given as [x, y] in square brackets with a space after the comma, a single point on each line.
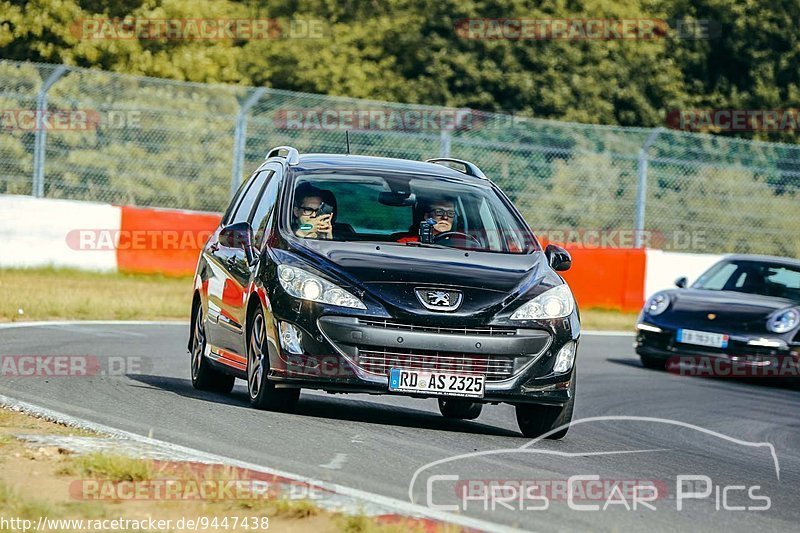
[702, 338]
[437, 383]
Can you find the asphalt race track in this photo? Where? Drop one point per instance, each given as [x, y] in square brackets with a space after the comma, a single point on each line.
[377, 443]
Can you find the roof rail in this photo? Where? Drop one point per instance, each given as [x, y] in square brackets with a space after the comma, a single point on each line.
[470, 169]
[291, 154]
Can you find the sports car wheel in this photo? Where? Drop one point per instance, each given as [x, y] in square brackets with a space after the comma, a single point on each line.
[458, 408]
[204, 377]
[262, 392]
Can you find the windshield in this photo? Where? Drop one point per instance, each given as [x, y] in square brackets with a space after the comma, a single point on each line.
[407, 210]
[753, 277]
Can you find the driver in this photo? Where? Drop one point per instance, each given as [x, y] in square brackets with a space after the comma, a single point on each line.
[442, 211]
[307, 221]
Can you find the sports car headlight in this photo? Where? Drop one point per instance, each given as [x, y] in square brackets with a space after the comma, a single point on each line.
[783, 321]
[657, 304]
[553, 303]
[302, 284]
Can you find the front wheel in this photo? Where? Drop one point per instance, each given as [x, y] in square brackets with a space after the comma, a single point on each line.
[535, 420]
[262, 392]
[204, 377]
[458, 408]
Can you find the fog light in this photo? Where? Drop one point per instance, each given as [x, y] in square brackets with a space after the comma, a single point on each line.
[290, 338]
[565, 358]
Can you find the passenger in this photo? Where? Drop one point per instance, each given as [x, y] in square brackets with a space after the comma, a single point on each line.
[309, 221]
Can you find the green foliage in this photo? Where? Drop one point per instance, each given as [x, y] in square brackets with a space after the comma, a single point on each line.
[179, 153]
[411, 51]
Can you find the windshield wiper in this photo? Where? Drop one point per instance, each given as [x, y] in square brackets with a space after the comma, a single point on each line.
[427, 245]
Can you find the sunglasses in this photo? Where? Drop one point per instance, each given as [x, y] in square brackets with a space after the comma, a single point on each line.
[323, 209]
[307, 211]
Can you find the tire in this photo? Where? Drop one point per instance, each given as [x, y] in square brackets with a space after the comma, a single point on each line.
[204, 376]
[261, 391]
[459, 408]
[653, 363]
[535, 420]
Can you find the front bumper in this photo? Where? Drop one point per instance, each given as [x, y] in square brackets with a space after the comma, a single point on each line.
[349, 354]
[754, 351]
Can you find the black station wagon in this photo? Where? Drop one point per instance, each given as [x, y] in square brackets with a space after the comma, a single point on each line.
[360, 274]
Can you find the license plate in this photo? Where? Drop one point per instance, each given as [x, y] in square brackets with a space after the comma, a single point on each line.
[437, 383]
[702, 338]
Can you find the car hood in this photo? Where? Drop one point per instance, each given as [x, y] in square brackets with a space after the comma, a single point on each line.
[731, 310]
[391, 273]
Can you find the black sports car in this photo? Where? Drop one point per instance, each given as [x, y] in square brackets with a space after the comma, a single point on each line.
[745, 310]
[364, 274]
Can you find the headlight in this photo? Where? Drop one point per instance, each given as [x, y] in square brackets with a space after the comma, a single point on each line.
[553, 303]
[783, 321]
[301, 284]
[657, 304]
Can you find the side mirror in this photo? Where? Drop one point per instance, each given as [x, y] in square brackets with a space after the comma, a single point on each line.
[681, 282]
[240, 236]
[558, 257]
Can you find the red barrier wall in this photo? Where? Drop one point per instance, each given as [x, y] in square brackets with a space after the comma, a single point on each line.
[161, 240]
[611, 278]
[169, 242]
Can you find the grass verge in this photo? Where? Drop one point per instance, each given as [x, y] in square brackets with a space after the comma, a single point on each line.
[52, 294]
[608, 320]
[49, 481]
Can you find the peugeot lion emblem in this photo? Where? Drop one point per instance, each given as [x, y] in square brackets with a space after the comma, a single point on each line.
[439, 299]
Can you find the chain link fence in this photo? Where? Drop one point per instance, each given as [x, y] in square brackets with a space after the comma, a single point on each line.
[99, 136]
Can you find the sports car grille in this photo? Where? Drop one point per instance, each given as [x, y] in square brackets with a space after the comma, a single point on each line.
[379, 361]
[486, 330]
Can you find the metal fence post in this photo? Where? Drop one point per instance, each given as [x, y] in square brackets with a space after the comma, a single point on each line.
[240, 137]
[641, 195]
[40, 135]
[444, 144]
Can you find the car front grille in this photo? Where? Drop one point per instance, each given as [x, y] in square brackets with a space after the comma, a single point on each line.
[380, 361]
[485, 330]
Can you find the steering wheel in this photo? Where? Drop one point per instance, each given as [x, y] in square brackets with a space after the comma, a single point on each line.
[455, 236]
